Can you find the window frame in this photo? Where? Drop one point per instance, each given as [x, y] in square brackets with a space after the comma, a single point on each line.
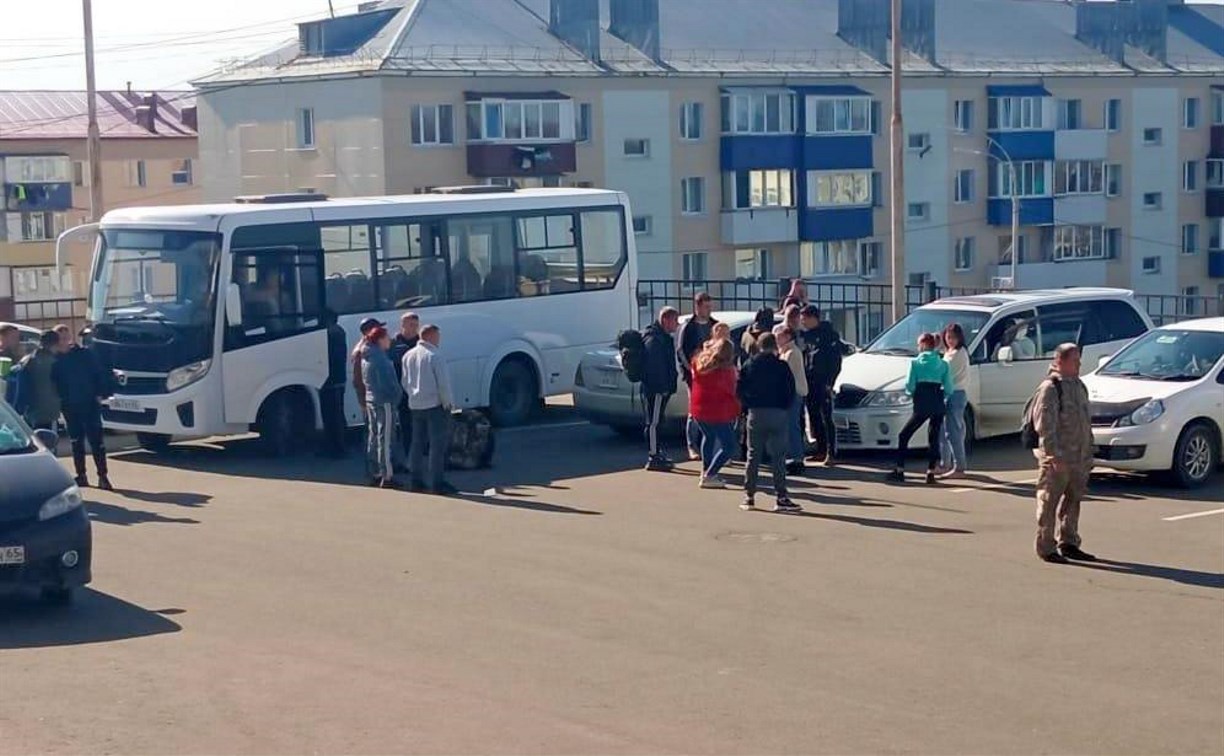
[1156, 135]
[1071, 114]
[1088, 177]
[924, 217]
[1113, 114]
[1191, 113]
[965, 249]
[963, 186]
[1213, 173]
[486, 111]
[1190, 238]
[643, 155]
[187, 170]
[1152, 270]
[687, 265]
[1017, 113]
[692, 121]
[780, 180]
[842, 114]
[304, 128]
[687, 192]
[962, 116]
[739, 111]
[835, 181]
[1068, 240]
[421, 115]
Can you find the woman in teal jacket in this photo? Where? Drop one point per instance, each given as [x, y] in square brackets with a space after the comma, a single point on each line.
[930, 383]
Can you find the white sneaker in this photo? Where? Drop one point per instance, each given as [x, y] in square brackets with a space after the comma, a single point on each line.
[713, 483]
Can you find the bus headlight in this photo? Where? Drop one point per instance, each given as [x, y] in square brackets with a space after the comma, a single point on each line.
[187, 374]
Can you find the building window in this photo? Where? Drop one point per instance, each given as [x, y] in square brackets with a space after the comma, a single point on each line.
[639, 148]
[693, 266]
[137, 176]
[582, 122]
[964, 185]
[1113, 115]
[918, 142]
[691, 115]
[1070, 114]
[846, 257]
[433, 124]
[1190, 176]
[1215, 173]
[1190, 239]
[305, 129]
[1190, 113]
[839, 188]
[1113, 179]
[520, 120]
[1079, 243]
[1217, 107]
[80, 173]
[877, 189]
[1215, 233]
[1113, 243]
[962, 115]
[35, 227]
[1079, 177]
[1015, 113]
[748, 189]
[758, 113]
[839, 115]
[181, 175]
[1151, 265]
[966, 249]
[1005, 245]
[1153, 136]
[1030, 178]
[752, 263]
[1152, 200]
[692, 195]
[643, 225]
[918, 211]
[1191, 301]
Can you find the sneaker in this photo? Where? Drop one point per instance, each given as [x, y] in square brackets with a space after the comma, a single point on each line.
[748, 504]
[785, 505]
[390, 484]
[104, 483]
[659, 464]
[81, 481]
[897, 475]
[714, 482]
[1053, 558]
[930, 478]
[1076, 553]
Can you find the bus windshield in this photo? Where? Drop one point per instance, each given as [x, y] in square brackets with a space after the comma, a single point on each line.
[164, 276]
[902, 338]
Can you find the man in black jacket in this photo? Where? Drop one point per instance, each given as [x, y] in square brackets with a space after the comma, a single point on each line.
[331, 393]
[82, 382]
[766, 390]
[408, 337]
[822, 356]
[658, 381]
[695, 332]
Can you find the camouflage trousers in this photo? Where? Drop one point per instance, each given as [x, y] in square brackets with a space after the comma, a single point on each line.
[1059, 493]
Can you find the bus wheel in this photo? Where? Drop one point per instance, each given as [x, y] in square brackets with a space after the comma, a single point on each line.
[282, 423]
[154, 442]
[515, 393]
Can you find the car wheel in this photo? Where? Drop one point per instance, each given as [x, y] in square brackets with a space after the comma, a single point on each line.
[154, 442]
[1195, 456]
[514, 395]
[56, 595]
[281, 424]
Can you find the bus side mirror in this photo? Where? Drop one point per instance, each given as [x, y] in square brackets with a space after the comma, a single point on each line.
[233, 304]
[1005, 355]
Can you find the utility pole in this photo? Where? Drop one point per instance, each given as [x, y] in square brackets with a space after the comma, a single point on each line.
[94, 147]
[897, 168]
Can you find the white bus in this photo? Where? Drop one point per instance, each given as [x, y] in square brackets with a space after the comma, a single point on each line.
[213, 315]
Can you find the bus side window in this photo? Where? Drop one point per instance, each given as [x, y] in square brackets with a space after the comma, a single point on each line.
[346, 264]
[603, 248]
[411, 265]
[482, 258]
[547, 250]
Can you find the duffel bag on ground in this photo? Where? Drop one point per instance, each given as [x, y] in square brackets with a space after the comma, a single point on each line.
[471, 445]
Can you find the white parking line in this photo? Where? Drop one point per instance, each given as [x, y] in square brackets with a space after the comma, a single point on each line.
[1192, 515]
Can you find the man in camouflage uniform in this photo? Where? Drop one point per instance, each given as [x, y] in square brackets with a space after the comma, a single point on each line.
[1063, 420]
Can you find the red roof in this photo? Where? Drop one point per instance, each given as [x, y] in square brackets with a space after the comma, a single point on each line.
[63, 115]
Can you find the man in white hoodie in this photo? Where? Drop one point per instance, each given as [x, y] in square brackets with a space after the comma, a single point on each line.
[430, 398]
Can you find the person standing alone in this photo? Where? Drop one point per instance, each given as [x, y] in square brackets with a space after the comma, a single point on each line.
[696, 331]
[658, 381]
[431, 399]
[82, 382]
[382, 398]
[767, 391]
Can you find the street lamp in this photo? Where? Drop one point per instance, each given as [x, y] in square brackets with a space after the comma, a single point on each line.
[1015, 198]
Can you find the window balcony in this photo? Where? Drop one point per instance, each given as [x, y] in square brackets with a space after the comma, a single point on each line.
[37, 196]
[760, 225]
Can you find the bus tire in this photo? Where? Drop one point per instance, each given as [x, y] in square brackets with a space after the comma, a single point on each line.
[515, 392]
[153, 442]
[282, 422]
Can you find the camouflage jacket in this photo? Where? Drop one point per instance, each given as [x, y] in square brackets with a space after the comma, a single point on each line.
[1064, 424]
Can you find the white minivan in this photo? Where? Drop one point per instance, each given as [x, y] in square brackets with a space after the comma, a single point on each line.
[1011, 338]
[1159, 403]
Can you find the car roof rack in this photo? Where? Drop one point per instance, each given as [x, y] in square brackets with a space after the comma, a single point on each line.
[473, 189]
[283, 198]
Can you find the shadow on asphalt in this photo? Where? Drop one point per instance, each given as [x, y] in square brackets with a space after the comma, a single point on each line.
[175, 498]
[868, 522]
[1174, 574]
[512, 500]
[94, 617]
[113, 514]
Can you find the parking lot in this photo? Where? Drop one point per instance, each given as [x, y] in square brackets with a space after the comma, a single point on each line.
[571, 602]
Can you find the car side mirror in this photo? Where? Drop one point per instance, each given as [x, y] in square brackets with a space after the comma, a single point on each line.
[233, 304]
[1005, 355]
[47, 439]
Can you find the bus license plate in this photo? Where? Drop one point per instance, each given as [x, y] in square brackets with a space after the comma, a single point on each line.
[12, 554]
[125, 405]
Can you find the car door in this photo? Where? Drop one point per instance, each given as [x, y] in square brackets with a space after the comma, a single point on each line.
[1112, 324]
[1005, 386]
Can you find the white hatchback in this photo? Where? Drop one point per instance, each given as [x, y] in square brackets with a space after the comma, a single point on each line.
[1158, 404]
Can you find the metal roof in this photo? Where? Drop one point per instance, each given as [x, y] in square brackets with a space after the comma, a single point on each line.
[62, 115]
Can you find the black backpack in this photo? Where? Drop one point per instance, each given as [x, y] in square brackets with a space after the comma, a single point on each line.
[1028, 427]
[632, 348]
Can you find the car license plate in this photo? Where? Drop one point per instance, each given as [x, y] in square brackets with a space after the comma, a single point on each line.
[841, 421]
[125, 405]
[607, 379]
[12, 554]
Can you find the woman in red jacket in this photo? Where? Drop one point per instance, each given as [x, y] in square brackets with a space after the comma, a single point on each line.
[714, 407]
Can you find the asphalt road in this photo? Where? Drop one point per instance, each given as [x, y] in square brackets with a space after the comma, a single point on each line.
[584, 605]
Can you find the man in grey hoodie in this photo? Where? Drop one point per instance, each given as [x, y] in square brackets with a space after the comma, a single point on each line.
[382, 400]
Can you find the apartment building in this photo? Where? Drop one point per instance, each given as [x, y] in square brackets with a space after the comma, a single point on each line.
[752, 135]
[149, 155]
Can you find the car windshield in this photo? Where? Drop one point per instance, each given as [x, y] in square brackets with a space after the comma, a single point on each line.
[1168, 355]
[14, 438]
[164, 276]
[902, 338]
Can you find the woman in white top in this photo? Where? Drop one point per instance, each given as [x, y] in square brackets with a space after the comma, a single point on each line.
[792, 355]
[957, 357]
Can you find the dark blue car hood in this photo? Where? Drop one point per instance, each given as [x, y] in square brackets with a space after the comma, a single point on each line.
[27, 481]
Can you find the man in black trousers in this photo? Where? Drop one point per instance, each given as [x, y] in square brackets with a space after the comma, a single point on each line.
[331, 395]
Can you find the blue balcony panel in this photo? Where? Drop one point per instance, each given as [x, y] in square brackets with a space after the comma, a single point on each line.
[1038, 211]
[1016, 90]
[831, 224]
[33, 197]
[821, 153]
[746, 152]
[1023, 145]
[1215, 264]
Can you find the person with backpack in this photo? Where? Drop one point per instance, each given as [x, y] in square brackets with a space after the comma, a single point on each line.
[1058, 426]
[823, 349]
[82, 383]
[659, 378]
[714, 407]
[766, 390]
[692, 336]
[930, 384]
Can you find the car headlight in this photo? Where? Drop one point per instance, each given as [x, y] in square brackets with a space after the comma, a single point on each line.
[1144, 415]
[63, 502]
[887, 399]
[187, 374]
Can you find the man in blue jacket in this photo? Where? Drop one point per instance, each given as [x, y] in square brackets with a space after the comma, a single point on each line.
[659, 375]
[382, 401]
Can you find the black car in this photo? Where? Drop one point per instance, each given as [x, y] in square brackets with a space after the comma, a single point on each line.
[45, 538]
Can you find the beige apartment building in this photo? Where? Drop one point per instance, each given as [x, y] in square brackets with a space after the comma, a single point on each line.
[752, 135]
[149, 157]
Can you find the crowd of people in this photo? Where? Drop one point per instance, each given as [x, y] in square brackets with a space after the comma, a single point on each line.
[61, 377]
